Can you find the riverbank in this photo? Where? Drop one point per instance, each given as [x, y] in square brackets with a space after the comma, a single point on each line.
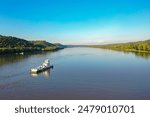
[119, 49]
[14, 45]
[140, 46]
[27, 50]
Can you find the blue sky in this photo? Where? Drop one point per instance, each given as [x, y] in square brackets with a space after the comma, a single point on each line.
[76, 21]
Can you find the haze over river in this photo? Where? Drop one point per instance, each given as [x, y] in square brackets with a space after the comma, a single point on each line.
[78, 73]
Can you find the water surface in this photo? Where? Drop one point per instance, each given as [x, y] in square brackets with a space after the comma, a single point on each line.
[79, 73]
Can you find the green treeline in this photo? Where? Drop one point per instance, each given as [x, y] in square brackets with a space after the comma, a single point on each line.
[12, 42]
[9, 44]
[140, 46]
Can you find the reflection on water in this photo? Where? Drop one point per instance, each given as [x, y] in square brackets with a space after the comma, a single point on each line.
[46, 74]
[80, 73]
[142, 54]
[12, 58]
[139, 54]
[5, 59]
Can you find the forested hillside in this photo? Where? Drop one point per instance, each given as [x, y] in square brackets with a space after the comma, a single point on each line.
[41, 43]
[9, 44]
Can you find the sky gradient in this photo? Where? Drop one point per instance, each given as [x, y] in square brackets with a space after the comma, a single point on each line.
[76, 21]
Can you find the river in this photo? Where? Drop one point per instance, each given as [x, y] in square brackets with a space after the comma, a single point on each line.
[78, 73]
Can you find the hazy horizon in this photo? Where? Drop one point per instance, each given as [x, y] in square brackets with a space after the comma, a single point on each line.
[76, 22]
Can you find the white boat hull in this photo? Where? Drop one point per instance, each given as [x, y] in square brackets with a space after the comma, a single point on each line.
[43, 67]
[40, 70]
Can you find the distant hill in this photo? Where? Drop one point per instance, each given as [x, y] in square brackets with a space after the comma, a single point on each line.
[41, 43]
[147, 41]
[59, 45]
[46, 46]
[11, 42]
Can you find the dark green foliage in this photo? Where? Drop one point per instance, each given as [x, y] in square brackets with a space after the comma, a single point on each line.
[17, 50]
[10, 44]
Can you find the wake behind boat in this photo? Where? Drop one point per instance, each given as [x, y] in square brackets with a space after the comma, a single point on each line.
[44, 66]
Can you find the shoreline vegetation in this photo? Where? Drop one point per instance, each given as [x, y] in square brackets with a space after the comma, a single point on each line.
[140, 46]
[14, 45]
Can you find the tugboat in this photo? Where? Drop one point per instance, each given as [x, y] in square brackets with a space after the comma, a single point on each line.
[44, 66]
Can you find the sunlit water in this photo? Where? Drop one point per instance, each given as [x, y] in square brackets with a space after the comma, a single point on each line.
[78, 73]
